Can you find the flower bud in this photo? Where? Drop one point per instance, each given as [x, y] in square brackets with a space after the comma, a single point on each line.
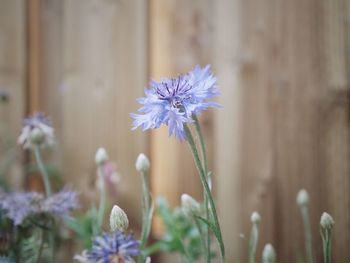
[255, 218]
[142, 163]
[269, 255]
[189, 205]
[118, 219]
[37, 137]
[101, 156]
[326, 221]
[303, 198]
[148, 260]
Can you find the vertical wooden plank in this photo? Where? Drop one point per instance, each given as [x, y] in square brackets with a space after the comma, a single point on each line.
[33, 45]
[179, 40]
[228, 64]
[94, 68]
[12, 75]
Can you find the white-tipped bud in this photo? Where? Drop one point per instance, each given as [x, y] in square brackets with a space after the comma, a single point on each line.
[101, 156]
[37, 136]
[142, 163]
[255, 218]
[303, 198]
[148, 260]
[269, 255]
[118, 219]
[326, 221]
[189, 205]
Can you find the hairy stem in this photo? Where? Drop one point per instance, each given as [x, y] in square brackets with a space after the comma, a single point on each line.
[146, 214]
[42, 170]
[102, 204]
[307, 233]
[207, 191]
[206, 202]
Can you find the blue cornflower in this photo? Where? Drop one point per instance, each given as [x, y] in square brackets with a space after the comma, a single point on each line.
[19, 205]
[111, 248]
[174, 101]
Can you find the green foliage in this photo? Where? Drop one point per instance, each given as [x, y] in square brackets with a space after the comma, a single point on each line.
[85, 226]
[181, 234]
[30, 248]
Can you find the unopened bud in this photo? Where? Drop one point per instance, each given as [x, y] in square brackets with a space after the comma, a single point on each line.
[303, 198]
[142, 163]
[37, 136]
[148, 260]
[101, 156]
[326, 221]
[189, 205]
[269, 255]
[118, 219]
[255, 218]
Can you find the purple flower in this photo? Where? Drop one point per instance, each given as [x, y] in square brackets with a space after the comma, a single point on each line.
[36, 129]
[19, 205]
[109, 248]
[61, 203]
[173, 101]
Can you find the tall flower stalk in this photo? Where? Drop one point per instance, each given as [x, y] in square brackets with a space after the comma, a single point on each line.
[101, 157]
[142, 166]
[206, 201]
[215, 226]
[254, 236]
[176, 102]
[303, 203]
[36, 133]
[326, 226]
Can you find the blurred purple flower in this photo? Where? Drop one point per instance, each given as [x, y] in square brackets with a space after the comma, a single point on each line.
[36, 122]
[173, 101]
[109, 248]
[19, 205]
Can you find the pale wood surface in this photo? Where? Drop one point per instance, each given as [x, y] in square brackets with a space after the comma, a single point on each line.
[178, 41]
[283, 70]
[94, 67]
[13, 76]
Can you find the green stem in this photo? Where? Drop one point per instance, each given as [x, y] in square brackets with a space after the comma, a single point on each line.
[206, 202]
[41, 246]
[202, 237]
[146, 214]
[102, 204]
[52, 240]
[326, 244]
[207, 191]
[43, 171]
[253, 241]
[308, 235]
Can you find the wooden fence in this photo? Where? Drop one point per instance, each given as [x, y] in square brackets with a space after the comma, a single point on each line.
[284, 71]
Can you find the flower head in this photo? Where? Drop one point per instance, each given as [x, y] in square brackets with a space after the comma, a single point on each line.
[37, 130]
[142, 163]
[111, 248]
[101, 156]
[269, 254]
[118, 219]
[173, 101]
[302, 198]
[189, 205]
[327, 221]
[255, 218]
[19, 205]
